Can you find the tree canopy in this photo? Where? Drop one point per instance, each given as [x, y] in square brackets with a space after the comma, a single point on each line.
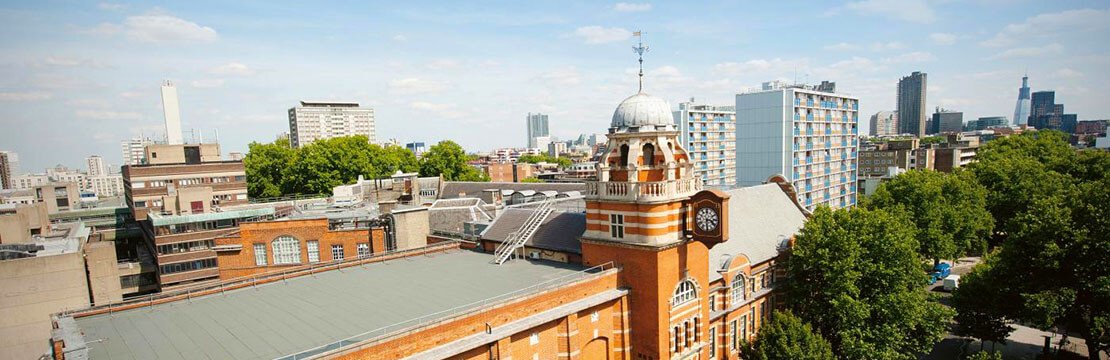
[449, 160]
[536, 159]
[276, 169]
[948, 210]
[786, 337]
[855, 275]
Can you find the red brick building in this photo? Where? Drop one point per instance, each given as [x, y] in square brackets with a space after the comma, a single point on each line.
[260, 247]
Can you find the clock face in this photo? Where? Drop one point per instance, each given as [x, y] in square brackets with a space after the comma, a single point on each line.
[707, 219]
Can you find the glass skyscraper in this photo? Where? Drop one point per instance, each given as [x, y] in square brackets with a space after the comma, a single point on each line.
[1021, 111]
[537, 127]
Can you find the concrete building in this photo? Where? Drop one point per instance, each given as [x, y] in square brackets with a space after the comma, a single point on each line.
[133, 150]
[808, 137]
[556, 148]
[316, 120]
[537, 127]
[957, 152]
[96, 166]
[1022, 109]
[946, 121]
[171, 111]
[709, 133]
[183, 179]
[645, 283]
[1048, 115]
[1104, 141]
[876, 159]
[106, 186]
[57, 196]
[911, 104]
[9, 169]
[884, 123]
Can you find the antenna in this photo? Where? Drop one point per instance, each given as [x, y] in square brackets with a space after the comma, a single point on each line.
[640, 50]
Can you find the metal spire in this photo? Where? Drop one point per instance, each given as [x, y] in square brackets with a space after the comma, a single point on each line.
[640, 50]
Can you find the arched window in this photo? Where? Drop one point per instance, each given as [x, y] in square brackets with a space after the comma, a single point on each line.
[684, 293]
[624, 155]
[287, 250]
[649, 154]
[738, 289]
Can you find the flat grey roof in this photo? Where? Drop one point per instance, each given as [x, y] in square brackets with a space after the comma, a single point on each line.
[278, 319]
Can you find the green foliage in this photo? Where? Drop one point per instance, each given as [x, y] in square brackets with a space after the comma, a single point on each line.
[787, 337]
[265, 165]
[978, 313]
[449, 160]
[933, 140]
[949, 211]
[855, 275]
[536, 159]
[983, 355]
[531, 180]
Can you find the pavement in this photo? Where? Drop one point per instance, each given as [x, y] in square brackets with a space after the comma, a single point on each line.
[1024, 343]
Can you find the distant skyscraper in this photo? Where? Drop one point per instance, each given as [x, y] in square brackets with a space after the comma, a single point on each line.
[172, 112]
[318, 120]
[1021, 111]
[911, 104]
[807, 136]
[946, 121]
[1047, 114]
[537, 127]
[417, 148]
[708, 132]
[987, 122]
[96, 166]
[884, 123]
[9, 169]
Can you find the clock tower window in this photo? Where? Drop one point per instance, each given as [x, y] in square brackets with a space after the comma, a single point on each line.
[616, 226]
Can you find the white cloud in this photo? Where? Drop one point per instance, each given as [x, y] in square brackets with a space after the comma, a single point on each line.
[842, 47]
[882, 46]
[400, 38]
[158, 29]
[908, 10]
[108, 115]
[25, 96]
[599, 35]
[232, 69]
[449, 111]
[111, 6]
[442, 64]
[1067, 73]
[1052, 25]
[563, 76]
[943, 38]
[761, 67]
[131, 94]
[207, 83]
[1035, 51]
[410, 86]
[631, 7]
[913, 57]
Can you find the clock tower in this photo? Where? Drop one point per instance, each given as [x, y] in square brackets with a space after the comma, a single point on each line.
[648, 215]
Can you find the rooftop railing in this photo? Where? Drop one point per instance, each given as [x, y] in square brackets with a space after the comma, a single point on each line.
[452, 313]
[643, 191]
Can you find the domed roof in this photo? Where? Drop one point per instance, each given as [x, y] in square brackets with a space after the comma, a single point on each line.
[642, 110]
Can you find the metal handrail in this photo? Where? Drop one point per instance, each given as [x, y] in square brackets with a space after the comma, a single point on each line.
[423, 321]
[221, 286]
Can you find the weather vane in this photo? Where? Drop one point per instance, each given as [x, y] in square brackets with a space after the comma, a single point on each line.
[640, 50]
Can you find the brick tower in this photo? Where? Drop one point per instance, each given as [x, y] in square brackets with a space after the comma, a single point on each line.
[636, 217]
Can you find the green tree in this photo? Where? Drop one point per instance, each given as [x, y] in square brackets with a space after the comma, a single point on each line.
[391, 159]
[536, 159]
[949, 211]
[978, 311]
[855, 275]
[1017, 170]
[265, 165]
[449, 160]
[531, 180]
[787, 337]
[322, 165]
[984, 355]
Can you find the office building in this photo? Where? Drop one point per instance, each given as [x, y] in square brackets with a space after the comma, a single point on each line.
[876, 159]
[537, 127]
[557, 148]
[807, 136]
[133, 150]
[317, 120]
[957, 151]
[183, 179]
[624, 279]
[9, 169]
[1021, 110]
[1046, 114]
[106, 186]
[945, 121]
[96, 166]
[1103, 142]
[884, 123]
[171, 111]
[510, 171]
[911, 104]
[986, 122]
[709, 133]
[417, 148]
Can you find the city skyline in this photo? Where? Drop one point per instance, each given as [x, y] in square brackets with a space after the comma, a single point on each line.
[88, 74]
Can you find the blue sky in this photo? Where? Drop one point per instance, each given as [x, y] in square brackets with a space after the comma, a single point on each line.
[78, 77]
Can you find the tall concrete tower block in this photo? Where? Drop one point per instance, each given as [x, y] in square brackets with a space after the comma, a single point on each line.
[172, 112]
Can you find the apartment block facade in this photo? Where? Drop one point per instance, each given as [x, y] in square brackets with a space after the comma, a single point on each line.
[317, 120]
[709, 133]
[911, 104]
[807, 136]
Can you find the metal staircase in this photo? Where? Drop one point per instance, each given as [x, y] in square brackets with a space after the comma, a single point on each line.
[517, 239]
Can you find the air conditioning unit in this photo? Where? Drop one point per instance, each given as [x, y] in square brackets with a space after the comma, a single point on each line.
[534, 255]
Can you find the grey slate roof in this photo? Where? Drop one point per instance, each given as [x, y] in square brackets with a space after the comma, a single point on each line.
[761, 219]
[559, 231]
[453, 189]
[278, 319]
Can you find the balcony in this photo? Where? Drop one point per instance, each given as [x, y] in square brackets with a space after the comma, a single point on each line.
[643, 191]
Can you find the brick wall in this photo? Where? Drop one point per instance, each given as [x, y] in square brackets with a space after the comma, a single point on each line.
[240, 263]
